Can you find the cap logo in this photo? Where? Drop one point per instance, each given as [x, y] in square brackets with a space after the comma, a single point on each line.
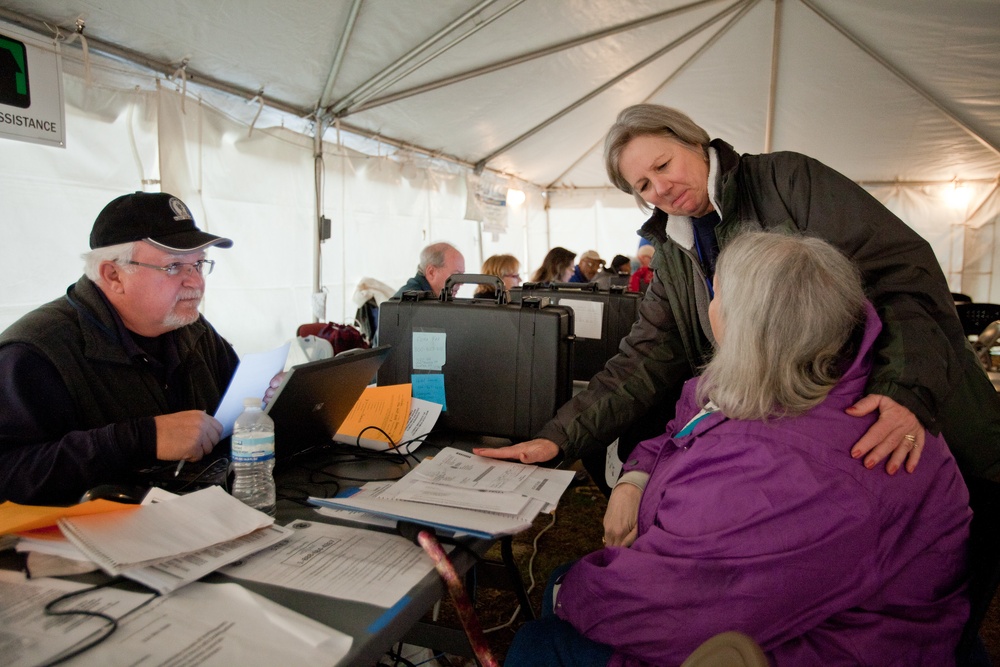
[181, 212]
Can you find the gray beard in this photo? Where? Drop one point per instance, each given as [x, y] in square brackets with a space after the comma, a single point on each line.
[174, 320]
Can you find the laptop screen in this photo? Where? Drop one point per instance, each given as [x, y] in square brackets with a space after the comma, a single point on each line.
[315, 398]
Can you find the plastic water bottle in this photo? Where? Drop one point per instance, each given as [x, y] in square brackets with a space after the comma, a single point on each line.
[253, 457]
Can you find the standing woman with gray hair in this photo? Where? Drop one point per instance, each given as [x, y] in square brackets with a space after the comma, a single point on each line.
[702, 194]
[751, 516]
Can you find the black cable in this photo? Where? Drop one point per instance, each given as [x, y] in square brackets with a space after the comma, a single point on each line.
[354, 458]
[361, 454]
[108, 631]
[398, 658]
[212, 468]
[396, 447]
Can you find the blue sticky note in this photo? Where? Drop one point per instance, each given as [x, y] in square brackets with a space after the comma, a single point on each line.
[429, 387]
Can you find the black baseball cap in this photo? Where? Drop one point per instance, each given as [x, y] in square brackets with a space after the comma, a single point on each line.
[158, 218]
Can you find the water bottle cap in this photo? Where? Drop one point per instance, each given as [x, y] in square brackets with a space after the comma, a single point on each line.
[251, 402]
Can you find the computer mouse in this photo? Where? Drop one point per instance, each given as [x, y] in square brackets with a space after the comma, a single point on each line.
[117, 492]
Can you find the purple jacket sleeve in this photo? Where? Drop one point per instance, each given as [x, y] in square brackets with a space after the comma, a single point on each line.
[699, 570]
[44, 457]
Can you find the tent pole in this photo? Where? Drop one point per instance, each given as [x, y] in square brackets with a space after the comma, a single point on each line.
[694, 56]
[773, 89]
[348, 99]
[361, 99]
[903, 77]
[608, 84]
[524, 57]
[338, 59]
[318, 221]
[195, 77]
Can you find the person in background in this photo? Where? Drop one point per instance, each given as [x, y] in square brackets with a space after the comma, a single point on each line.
[621, 265]
[121, 371]
[438, 262]
[617, 274]
[644, 275]
[557, 266]
[585, 272]
[505, 267]
[746, 514]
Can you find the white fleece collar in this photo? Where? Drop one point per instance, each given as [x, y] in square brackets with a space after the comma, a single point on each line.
[679, 227]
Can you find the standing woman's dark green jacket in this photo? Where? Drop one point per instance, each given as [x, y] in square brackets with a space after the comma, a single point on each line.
[922, 359]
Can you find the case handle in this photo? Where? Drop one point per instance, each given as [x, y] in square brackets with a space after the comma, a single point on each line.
[453, 281]
[576, 287]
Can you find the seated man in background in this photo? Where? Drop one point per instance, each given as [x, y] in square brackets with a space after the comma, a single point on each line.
[120, 371]
[438, 262]
[588, 266]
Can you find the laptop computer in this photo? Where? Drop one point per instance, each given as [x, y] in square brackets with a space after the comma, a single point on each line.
[307, 408]
[315, 398]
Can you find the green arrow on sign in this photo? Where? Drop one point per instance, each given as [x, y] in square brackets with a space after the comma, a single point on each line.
[14, 89]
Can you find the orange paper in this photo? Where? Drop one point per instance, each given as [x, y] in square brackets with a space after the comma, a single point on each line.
[16, 518]
[385, 407]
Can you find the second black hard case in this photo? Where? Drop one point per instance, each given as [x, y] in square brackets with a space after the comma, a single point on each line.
[619, 311]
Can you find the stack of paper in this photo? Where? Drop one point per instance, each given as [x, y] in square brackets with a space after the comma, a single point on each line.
[395, 414]
[461, 492]
[154, 533]
[164, 545]
[203, 624]
[342, 562]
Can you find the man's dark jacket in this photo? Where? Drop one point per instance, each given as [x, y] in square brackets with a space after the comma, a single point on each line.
[80, 395]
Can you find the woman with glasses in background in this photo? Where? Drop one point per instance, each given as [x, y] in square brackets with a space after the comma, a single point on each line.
[504, 267]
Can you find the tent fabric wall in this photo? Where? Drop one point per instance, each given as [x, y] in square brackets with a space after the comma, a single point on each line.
[130, 129]
[606, 222]
[254, 187]
[257, 188]
[50, 196]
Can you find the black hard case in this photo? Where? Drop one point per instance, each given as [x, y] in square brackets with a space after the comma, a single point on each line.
[507, 366]
[620, 312]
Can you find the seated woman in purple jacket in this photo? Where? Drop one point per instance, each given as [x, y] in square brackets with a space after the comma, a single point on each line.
[752, 518]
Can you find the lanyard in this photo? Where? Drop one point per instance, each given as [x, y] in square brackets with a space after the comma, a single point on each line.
[705, 411]
[701, 260]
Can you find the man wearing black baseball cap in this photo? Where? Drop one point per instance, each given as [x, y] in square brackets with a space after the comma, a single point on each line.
[122, 371]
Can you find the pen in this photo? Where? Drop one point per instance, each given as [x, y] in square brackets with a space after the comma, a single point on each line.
[180, 464]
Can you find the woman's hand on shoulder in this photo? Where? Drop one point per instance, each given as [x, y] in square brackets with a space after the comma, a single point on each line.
[538, 450]
[622, 516]
[897, 434]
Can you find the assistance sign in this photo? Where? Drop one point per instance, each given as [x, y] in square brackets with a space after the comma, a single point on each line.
[31, 92]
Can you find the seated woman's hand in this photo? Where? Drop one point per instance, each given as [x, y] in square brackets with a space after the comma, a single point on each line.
[897, 434]
[538, 450]
[622, 516]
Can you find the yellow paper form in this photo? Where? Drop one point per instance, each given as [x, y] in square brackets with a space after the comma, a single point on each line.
[385, 407]
[16, 518]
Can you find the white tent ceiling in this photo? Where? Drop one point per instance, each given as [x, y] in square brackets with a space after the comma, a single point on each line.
[883, 90]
